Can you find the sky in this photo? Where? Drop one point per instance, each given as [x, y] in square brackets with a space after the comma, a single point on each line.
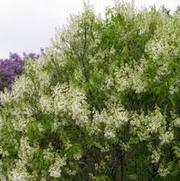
[28, 25]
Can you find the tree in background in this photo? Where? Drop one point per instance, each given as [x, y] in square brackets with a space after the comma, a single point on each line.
[12, 67]
[9, 69]
[102, 104]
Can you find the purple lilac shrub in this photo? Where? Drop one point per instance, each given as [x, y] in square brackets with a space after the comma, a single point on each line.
[9, 69]
[13, 66]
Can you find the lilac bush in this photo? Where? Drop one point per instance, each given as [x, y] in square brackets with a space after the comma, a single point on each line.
[9, 69]
[12, 67]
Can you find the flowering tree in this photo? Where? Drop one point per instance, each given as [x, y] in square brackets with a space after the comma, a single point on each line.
[102, 104]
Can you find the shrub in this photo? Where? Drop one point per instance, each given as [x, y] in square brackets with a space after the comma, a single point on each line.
[102, 104]
[9, 69]
[12, 67]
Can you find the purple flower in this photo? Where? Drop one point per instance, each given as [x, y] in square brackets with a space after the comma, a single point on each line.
[12, 67]
[9, 69]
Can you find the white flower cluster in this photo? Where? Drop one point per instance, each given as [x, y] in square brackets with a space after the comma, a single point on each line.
[162, 72]
[109, 133]
[155, 122]
[109, 83]
[175, 87]
[20, 124]
[176, 150]
[70, 172]
[176, 122]
[46, 104]
[145, 125]
[47, 154]
[131, 77]
[22, 85]
[19, 173]
[77, 156]
[56, 168]
[164, 171]
[167, 137]
[113, 118]
[43, 79]
[72, 102]
[2, 176]
[26, 152]
[156, 47]
[155, 155]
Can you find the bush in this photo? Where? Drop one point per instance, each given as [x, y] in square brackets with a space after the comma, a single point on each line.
[102, 104]
[9, 69]
[12, 67]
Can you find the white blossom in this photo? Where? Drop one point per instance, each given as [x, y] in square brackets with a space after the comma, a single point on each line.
[56, 168]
